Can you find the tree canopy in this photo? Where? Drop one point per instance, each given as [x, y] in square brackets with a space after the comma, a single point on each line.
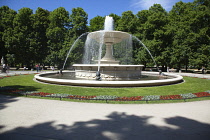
[179, 38]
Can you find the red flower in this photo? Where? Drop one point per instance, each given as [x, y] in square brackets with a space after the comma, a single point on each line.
[40, 94]
[202, 94]
[135, 98]
[165, 97]
[170, 97]
[80, 97]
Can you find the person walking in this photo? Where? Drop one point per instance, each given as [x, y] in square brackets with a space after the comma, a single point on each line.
[37, 67]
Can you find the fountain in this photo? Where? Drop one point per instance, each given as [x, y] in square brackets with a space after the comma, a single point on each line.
[108, 71]
[109, 66]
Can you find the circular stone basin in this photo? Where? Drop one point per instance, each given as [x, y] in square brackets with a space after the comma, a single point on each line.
[109, 36]
[147, 79]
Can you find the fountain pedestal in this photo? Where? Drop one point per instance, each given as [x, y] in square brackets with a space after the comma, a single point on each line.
[108, 58]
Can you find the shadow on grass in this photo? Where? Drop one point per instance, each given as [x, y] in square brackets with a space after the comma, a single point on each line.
[5, 97]
[25, 88]
[117, 126]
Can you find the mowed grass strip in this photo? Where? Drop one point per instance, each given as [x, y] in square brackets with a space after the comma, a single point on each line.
[26, 82]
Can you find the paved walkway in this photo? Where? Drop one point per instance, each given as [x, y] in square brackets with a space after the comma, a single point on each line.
[40, 119]
[195, 75]
[18, 72]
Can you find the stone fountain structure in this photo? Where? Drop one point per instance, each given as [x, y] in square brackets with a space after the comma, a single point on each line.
[108, 66]
[107, 71]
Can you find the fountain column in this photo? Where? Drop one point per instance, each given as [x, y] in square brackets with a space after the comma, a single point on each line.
[108, 58]
[108, 55]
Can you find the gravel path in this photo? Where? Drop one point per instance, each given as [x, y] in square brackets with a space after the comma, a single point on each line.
[40, 119]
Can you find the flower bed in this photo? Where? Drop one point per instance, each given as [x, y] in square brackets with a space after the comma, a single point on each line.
[202, 94]
[9, 90]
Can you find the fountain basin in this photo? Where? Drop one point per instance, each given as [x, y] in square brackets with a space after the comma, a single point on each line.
[108, 70]
[91, 83]
[109, 36]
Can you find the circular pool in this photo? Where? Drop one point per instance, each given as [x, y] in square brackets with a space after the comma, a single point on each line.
[146, 79]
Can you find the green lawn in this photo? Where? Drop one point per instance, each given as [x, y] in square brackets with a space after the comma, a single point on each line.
[25, 82]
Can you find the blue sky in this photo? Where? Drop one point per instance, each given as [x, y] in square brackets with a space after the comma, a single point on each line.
[91, 7]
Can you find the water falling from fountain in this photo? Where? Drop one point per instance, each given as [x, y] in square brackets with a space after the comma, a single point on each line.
[72, 48]
[100, 50]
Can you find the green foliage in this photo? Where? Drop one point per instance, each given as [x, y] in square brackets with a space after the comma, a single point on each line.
[40, 25]
[190, 33]
[127, 22]
[96, 24]
[78, 20]
[23, 36]
[6, 31]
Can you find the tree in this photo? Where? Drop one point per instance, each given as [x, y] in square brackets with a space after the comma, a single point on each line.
[78, 19]
[151, 30]
[199, 23]
[56, 34]
[180, 30]
[96, 24]
[40, 25]
[127, 22]
[78, 29]
[190, 25]
[20, 37]
[6, 29]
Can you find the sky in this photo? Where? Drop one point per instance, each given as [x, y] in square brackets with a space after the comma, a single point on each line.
[92, 7]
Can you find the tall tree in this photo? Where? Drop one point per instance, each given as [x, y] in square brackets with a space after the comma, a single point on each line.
[200, 41]
[6, 29]
[78, 28]
[140, 53]
[78, 19]
[127, 22]
[96, 23]
[40, 25]
[185, 27]
[56, 33]
[22, 35]
[151, 30]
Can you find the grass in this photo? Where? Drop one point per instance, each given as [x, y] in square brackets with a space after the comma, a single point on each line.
[25, 82]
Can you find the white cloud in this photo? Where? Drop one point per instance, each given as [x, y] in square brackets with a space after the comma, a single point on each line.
[146, 4]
